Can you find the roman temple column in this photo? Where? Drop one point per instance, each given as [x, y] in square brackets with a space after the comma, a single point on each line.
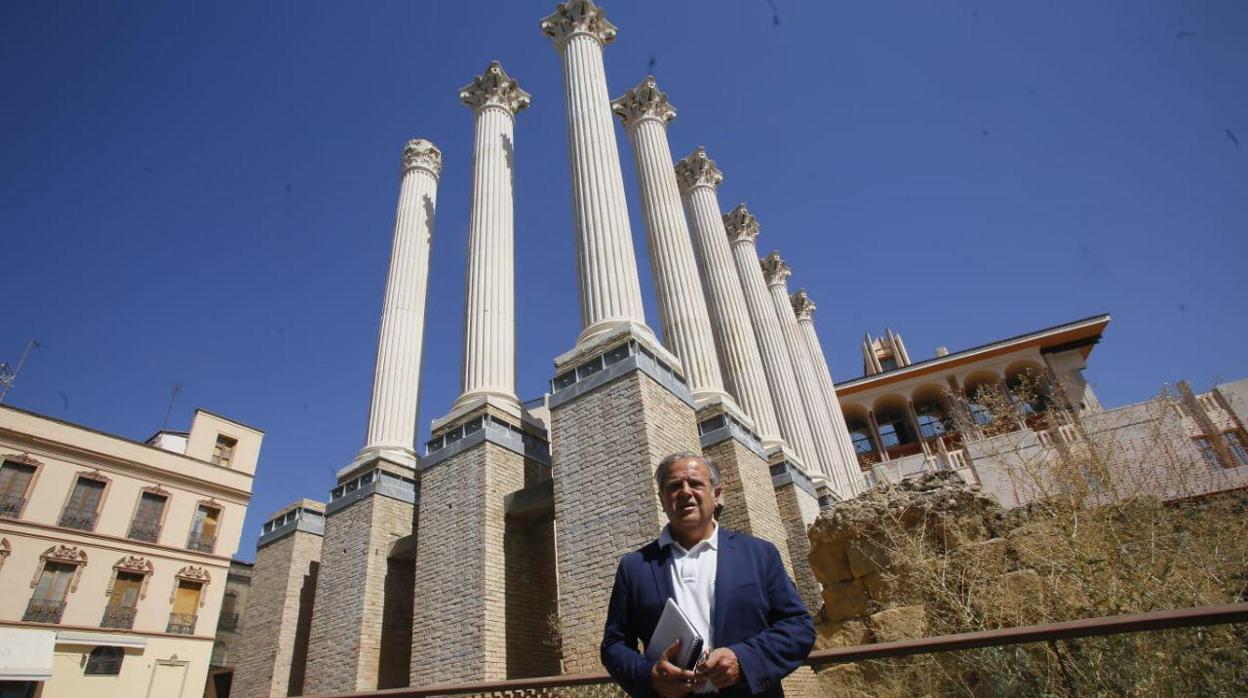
[489, 361]
[645, 113]
[804, 309]
[619, 401]
[742, 231]
[831, 460]
[739, 357]
[610, 291]
[361, 621]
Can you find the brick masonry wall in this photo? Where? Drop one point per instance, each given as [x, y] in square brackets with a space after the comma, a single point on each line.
[459, 626]
[605, 446]
[344, 652]
[749, 499]
[532, 599]
[796, 508]
[271, 647]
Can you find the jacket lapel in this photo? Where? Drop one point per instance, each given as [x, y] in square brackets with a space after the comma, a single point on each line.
[662, 569]
[725, 580]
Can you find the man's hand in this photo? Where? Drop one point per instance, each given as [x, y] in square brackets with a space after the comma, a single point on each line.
[670, 680]
[721, 668]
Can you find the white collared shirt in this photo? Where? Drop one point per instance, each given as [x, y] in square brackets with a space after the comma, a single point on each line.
[693, 580]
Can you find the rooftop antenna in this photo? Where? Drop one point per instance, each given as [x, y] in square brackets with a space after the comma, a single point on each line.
[8, 376]
[177, 388]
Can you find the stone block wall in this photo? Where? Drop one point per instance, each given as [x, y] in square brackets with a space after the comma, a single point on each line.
[797, 507]
[273, 652]
[532, 599]
[749, 499]
[345, 649]
[606, 445]
[459, 626]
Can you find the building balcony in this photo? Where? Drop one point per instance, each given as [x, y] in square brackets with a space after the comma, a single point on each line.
[202, 544]
[181, 624]
[81, 519]
[44, 611]
[118, 617]
[11, 506]
[228, 622]
[146, 531]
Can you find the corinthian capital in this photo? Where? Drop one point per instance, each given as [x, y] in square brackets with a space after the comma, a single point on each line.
[577, 17]
[803, 306]
[420, 154]
[775, 271]
[494, 88]
[741, 225]
[645, 101]
[698, 170]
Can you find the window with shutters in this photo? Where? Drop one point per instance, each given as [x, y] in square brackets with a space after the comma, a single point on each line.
[185, 607]
[223, 451]
[84, 503]
[15, 479]
[48, 602]
[104, 661]
[148, 517]
[204, 528]
[123, 600]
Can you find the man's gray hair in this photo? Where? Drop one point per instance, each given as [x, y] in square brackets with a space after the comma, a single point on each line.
[665, 465]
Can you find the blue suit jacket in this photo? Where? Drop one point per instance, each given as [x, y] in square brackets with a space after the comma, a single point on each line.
[758, 614]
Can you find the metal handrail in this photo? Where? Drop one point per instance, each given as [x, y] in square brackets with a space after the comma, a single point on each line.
[81, 519]
[145, 530]
[44, 611]
[181, 624]
[1086, 627]
[203, 544]
[118, 617]
[11, 506]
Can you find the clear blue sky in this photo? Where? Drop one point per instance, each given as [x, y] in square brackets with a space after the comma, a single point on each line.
[203, 194]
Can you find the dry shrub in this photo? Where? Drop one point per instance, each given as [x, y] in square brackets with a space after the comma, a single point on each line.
[1097, 539]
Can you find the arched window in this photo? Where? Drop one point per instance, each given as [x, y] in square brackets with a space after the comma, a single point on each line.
[894, 431]
[104, 661]
[861, 435]
[932, 419]
[977, 403]
[1028, 392]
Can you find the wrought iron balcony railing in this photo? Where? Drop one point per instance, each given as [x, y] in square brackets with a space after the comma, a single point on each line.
[118, 617]
[11, 506]
[44, 611]
[181, 624]
[81, 519]
[146, 531]
[228, 622]
[203, 544]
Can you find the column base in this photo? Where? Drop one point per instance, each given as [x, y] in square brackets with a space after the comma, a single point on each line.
[401, 456]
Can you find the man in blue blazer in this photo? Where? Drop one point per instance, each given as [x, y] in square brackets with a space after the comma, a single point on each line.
[732, 586]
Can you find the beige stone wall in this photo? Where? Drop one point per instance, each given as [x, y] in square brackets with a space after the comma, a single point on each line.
[532, 599]
[749, 499]
[606, 445]
[273, 649]
[459, 625]
[796, 508]
[345, 649]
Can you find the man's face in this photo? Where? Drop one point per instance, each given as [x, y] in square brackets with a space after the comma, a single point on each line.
[688, 498]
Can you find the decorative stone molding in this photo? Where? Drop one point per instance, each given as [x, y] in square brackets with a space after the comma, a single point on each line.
[5, 550]
[775, 271]
[67, 554]
[494, 88]
[420, 154]
[136, 565]
[191, 573]
[698, 170]
[741, 225]
[95, 474]
[157, 489]
[645, 101]
[578, 17]
[803, 307]
[24, 458]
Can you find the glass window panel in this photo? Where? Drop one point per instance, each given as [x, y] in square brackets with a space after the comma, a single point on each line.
[126, 590]
[54, 581]
[15, 478]
[87, 494]
[186, 599]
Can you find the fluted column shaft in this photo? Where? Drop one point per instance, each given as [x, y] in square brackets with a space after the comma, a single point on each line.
[396, 380]
[682, 304]
[819, 366]
[730, 320]
[823, 437]
[606, 268]
[790, 413]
